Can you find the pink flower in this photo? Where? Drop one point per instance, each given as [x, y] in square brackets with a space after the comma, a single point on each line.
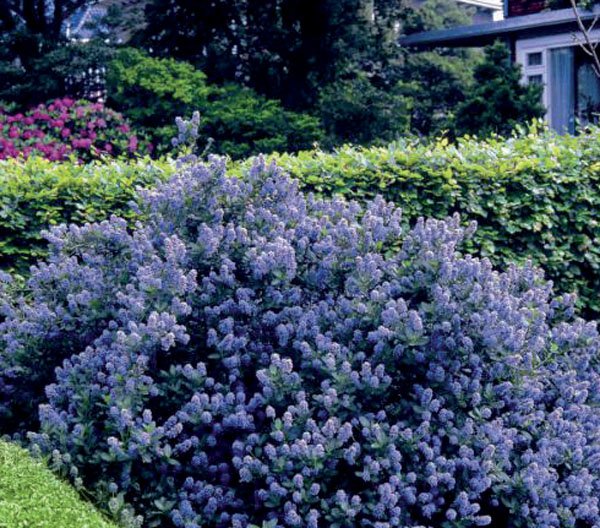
[13, 132]
[65, 132]
[101, 123]
[28, 120]
[82, 143]
[108, 147]
[123, 128]
[58, 123]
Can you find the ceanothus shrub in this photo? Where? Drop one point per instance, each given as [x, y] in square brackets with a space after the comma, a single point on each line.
[251, 356]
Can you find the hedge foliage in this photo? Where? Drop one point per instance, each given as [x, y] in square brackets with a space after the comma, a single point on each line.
[535, 196]
[32, 497]
[250, 356]
[36, 194]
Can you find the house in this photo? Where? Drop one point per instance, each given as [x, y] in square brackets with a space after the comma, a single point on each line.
[86, 23]
[545, 42]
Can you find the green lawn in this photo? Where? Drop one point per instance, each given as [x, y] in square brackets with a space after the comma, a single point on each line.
[32, 497]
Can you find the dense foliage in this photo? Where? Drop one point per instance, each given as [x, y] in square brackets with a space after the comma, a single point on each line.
[37, 60]
[498, 101]
[355, 111]
[338, 59]
[65, 128]
[436, 81]
[36, 194]
[54, 69]
[152, 92]
[254, 356]
[281, 48]
[534, 196]
[30, 496]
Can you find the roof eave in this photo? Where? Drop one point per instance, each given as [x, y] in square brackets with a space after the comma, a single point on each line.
[481, 34]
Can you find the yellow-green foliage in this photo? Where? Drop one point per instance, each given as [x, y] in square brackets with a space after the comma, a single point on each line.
[32, 497]
[37, 193]
[152, 92]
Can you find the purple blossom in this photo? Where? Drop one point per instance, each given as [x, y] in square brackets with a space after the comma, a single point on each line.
[251, 355]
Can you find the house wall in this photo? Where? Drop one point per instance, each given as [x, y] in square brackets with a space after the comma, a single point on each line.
[535, 54]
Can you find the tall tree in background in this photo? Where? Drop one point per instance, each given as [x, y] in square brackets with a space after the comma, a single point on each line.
[282, 48]
[437, 80]
[337, 57]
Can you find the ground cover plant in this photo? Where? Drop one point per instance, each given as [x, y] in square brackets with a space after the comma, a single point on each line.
[64, 128]
[253, 356]
[32, 497]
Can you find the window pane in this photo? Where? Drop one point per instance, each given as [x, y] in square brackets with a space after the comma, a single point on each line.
[588, 93]
[534, 59]
[535, 79]
[562, 90]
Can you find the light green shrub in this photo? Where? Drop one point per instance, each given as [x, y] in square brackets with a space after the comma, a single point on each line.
[152, 92]
[37, 193]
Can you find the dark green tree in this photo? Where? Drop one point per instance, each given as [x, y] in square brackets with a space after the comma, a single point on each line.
[437, 80]
[498, 100]
[286, 49]
[356, 111]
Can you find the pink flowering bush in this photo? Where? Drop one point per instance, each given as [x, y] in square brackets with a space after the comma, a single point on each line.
[67, 127]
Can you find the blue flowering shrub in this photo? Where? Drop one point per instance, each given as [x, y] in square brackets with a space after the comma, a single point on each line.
[254, 356]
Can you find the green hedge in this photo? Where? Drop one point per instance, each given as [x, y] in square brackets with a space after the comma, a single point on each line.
[32, 497]
[37, 193]
[536, 196]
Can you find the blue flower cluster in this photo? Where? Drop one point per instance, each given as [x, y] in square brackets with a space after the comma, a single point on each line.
[251, 356]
